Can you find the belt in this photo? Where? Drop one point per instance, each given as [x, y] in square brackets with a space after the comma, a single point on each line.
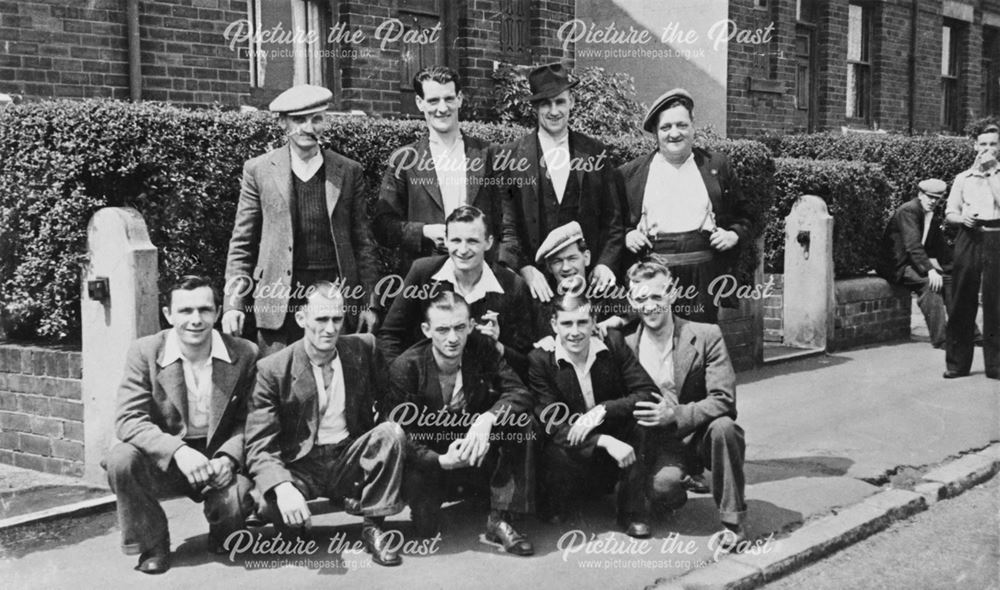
[685, 258]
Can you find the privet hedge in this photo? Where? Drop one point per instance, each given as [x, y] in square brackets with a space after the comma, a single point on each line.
[60, 161]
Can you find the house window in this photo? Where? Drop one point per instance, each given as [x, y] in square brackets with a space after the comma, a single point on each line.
[307, 46]
[428, 20]
[807, 11]
[950, 108]
[257, 57]
[859, 68]
[515, 31]
[991, 71]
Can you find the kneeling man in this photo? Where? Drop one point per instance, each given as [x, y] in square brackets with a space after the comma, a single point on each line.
[692, 423]
[454, 394]
[181, 410]
[585, 391]
[311, 429]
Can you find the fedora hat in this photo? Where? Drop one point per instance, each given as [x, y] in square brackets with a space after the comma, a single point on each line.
[549, 81]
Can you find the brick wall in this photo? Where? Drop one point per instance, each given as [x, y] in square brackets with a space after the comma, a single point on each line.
[773, 309]
[55, 49]
[869, 310]
[41, 409]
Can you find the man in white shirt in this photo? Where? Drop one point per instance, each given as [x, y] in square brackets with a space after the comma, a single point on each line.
[585, 391]
[427, 180]
[311, 430]
[691, 423]
[301, 218]
[180, 418]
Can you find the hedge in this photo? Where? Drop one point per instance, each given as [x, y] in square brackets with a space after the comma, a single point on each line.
[60, 161]
[857, 195]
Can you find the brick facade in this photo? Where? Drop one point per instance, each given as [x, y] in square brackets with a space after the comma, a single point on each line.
[41, 409]
[63, 50]
[869, 310]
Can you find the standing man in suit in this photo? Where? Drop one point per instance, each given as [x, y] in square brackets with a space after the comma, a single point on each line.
[427, 180]
[301, 218]
[554, 176]
[585, 392]
[974, 206]
[311, 429]
[485, 438]
[497, 297]
[913, 252]
[180, 417]
[685, 204]
[692, 421]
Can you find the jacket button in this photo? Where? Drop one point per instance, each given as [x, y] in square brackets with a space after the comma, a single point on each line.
[288, 273]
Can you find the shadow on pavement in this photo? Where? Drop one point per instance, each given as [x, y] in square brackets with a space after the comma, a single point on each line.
[779, 469]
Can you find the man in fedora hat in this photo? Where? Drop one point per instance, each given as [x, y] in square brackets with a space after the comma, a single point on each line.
[553, 176]
[301, 218]
[685, 204]
[915, 255]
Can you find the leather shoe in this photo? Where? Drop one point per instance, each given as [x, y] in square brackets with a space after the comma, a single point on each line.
[154, 561]
[696, 484]
[638, 530]
[501, 532]
[377, 543]
[954, 375]
[993, 375]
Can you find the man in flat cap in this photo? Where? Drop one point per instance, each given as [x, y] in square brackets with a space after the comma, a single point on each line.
[914, 254]
[427, 180]
[685, 204]
[553, 176]
[301, 219]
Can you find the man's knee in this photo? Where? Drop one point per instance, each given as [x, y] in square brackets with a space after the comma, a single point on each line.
[725, 429]
[122, 462]
[667, 487]
[390, 433]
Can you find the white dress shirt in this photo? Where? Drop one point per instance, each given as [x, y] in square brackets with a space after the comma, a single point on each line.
[675, 199]
[488, 282]
[975, 193]
[306, 169]
[555, 154]
[197, 380]
[449, 165]
[583, 373]
[332, 422]
[659, 364]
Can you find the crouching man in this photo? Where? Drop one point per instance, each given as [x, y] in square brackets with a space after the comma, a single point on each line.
[311, 429]
[181, 411]
[585, 392]
[469, 421]
[692, 422]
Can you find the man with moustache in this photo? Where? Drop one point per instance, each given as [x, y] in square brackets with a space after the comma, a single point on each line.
[301, 218]
[498, 299]
[480, 435]
[554, 176]
[692, 420]
[311, 429]
[974, 206]
[600, 384]
[427, 180]
[685, 204]
[180, 418]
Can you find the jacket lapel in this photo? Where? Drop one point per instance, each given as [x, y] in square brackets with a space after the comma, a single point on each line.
[303, 390]
[224, 377]
[710, 176]
[281, 165]
[577, 157]
[425, 171]
[685, 353]
[636, 186]
[433, 396]
[334, 180]
[171, 379]
[567, 383]
[475, 157]
[354, 381]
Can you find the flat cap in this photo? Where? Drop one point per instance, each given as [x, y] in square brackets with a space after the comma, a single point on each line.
[559, 238]
[304, 99]
[667, 99]
[933, 187]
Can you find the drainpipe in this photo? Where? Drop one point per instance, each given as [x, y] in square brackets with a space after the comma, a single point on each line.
[911, 107]
[134, 59]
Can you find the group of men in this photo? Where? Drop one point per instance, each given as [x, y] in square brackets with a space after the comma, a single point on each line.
[949, 277]
[498, 366]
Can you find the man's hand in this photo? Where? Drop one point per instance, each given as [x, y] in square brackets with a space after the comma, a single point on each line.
[612, 323]
[986, 160]
[658, 413]
[232, 322]
[195, 466]
[435, 233]
[224, 470]
[601, 278]
[452, 459]
[585, 424]
[540, 289]
[968, 220]
[489, 325]
[367, 321]
[292, 505]
[621, 452]
[477, 440]
[636, 240]
[723, 239]
[934, 280]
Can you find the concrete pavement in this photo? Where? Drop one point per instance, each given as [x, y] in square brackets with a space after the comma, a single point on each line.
[823, 434]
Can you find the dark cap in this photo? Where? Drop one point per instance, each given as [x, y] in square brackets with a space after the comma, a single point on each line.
[549, 81]
[665, 101]
[304, 99]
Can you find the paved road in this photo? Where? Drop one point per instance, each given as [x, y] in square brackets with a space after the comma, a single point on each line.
[955, 544]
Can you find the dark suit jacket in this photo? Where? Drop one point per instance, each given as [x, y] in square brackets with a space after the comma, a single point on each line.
[728, 203]
[401, 328]
[703, 374]
[260, 249]
[284, 411]
[902, 245]
[601, 205]
[152, 400]
[619, 381]
[488, 383]
[410, 198]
